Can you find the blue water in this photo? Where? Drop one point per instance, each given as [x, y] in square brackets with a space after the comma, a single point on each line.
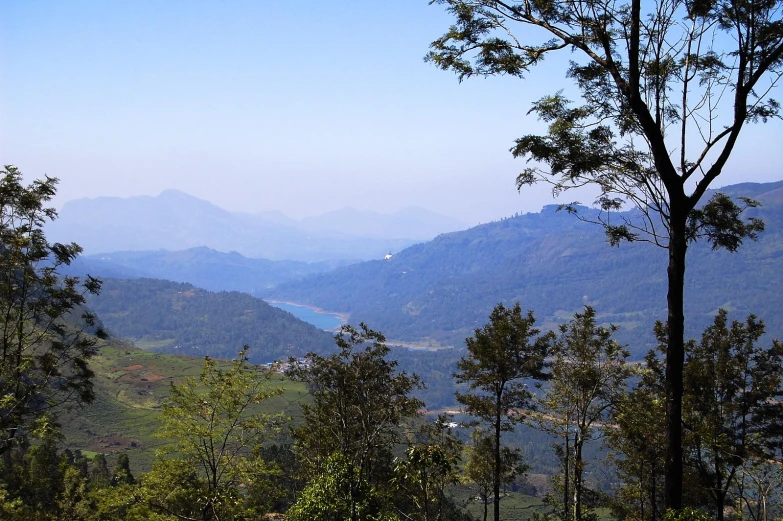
[322, 320]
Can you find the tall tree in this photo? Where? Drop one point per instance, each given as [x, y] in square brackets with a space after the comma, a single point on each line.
[668, 86]
[588, 376]
[501, 355]
[44, 345]
[733, 406]
[360, 402]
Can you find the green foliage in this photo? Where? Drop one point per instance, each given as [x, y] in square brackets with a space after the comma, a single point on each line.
[216, 441]
[479, 469]
[39, 484]
[650, 74]
[122, 474]
[43, 363]
[428, 468]
[687, 514]
[336, 495]
[182, 319]
[360, 402]
[639, 439]
[588, 375]
[500, 356]
[733, 407]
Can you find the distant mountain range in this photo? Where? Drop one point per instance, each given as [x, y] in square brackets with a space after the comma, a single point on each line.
[177, 221]
[553, 264]
[203, 267]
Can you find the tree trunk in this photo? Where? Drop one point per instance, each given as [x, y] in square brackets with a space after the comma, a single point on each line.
[496, 480]
[578, 443]
[720, 504]
[566, 477]
[675, 356]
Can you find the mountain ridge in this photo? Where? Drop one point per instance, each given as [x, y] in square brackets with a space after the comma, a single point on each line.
[175, 220]
[554, 264]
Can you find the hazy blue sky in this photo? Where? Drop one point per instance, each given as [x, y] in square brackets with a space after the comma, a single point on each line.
[293, 105]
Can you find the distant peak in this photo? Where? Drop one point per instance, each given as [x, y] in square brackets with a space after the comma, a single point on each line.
[172, 192]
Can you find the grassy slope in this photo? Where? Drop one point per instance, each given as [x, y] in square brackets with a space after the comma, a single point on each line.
[130, 386]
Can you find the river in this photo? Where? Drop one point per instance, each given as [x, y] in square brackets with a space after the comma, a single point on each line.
[320, 319]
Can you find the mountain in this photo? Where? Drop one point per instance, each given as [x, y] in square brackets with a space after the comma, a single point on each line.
[177, 221]
[171, 317]
[203, 267]
[554, 264]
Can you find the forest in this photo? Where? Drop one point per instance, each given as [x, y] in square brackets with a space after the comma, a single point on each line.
[365, 444]
[548, 421]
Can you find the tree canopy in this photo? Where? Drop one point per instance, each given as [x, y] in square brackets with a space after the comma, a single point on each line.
[667, 87]
[45, 333]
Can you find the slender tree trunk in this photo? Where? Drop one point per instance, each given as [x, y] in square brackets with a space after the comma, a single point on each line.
[654, 495]
[496, 483]
[578, 443]
[675, 356]
[566, 478]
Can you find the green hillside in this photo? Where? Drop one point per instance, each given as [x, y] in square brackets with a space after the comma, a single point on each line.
[130, 386]
[554, 264]
[171, 317]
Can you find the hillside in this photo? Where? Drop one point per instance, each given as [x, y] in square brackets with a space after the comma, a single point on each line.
[175, 220]
[130, 386]
[553, 264]
[172, 317]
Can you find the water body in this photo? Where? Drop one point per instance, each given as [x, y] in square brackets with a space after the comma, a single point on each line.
[320, 319]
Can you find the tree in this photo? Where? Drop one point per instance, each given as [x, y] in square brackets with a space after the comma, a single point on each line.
[760, 485]
[481, 464]
[588, 376]
[44, 345]
[336, 495]
[359, 404]
[640, 440]
[668, 86]
[429, 466]
[122, 473]
[500, 356]
[733, 409]
[216, 431]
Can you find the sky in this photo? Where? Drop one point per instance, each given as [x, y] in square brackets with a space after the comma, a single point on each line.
[301, 106]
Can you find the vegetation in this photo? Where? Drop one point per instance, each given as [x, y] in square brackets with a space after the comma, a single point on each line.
[350, 437]
[179, 318]
[438, 292]
[651, 75]
[45, 348]
[588, 375]
[500, 357]
[359, 402]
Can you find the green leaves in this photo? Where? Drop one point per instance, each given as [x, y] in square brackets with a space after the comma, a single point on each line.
[720, 222]
[45, 345]
[216, 432]
[500, 355]
[360, 402]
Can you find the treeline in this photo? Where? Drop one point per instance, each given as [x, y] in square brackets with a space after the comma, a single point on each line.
[364, 451]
